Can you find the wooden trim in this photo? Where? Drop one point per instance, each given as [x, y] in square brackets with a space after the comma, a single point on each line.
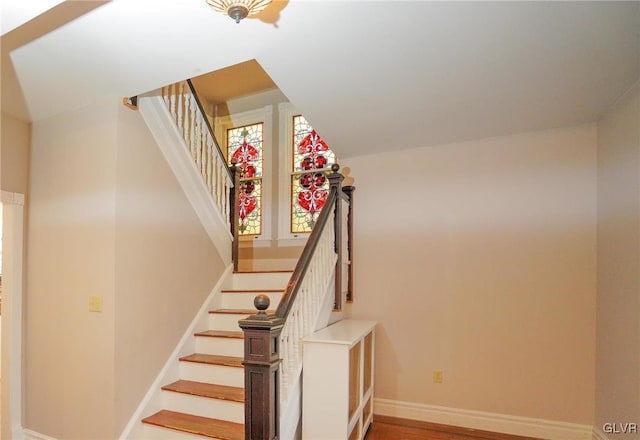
[335, 182]
[449, 429]
[263, 271]
[261, 371]
[131, 103]
[348, 191]
[251, 290]
[234, 214]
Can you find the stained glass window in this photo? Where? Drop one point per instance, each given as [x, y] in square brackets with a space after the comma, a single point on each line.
[244, 144]
[312, 158]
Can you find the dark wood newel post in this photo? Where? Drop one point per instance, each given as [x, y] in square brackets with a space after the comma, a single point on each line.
[233, 211]
[261, 367]
[349, 190]
[335, 181]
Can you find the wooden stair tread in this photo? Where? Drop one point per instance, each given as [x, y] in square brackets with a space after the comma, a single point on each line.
[264, 271]
[221, 334]
[252, 290]
[212, 391]
[214, 359]
[212, 428]
[239, 311]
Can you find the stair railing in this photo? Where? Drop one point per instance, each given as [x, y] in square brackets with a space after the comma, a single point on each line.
[194, 126]
[273, 357]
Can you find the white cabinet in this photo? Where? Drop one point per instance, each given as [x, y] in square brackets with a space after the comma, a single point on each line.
[337, 378]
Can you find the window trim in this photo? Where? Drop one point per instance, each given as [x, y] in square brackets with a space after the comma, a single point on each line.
[286, 112]
[262, 115]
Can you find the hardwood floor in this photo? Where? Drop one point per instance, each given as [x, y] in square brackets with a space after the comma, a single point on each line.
[391, 428]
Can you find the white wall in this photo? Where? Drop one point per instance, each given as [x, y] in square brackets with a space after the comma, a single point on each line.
[107, 218]
[618, 322]
[165, 263]
[479, 259]
[71, 255]
[15, 140]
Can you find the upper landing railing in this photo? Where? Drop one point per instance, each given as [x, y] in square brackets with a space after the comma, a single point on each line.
[189, 115]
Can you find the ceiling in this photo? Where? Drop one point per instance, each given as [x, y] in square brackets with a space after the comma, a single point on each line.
[370, 76]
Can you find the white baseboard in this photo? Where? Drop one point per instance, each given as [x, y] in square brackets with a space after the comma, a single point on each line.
[524, 426]
[598, 434]
[32, 435]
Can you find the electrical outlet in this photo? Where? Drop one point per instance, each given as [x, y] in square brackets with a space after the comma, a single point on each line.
[438, 376]
[95, 303]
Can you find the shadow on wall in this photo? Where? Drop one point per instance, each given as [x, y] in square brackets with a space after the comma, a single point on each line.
[271, 14]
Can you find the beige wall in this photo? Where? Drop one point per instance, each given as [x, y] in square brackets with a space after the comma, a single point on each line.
[15, 137]
[14, 155]
[107, 218]
[69, 369]
[165, 264]
[618, 322]
[479, 259]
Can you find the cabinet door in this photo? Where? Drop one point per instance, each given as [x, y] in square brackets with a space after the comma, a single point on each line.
[354, 379]
[368, 363]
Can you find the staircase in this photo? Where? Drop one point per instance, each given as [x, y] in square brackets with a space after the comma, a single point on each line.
[220, 383]
[208, 399]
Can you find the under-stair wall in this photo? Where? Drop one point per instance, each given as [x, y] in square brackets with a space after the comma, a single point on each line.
[170, 372]
[107, 218]
[208, 195]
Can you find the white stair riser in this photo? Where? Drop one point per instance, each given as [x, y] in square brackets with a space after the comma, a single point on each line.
[204, 406]
[218, 374]
[274, 280]
[244, 300]
[220, 346]
[152, 432]
[225, 321]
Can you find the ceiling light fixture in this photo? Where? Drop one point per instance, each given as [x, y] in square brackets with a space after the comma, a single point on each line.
[238, 9]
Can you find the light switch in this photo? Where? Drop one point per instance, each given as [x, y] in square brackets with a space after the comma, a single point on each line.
[95, 303]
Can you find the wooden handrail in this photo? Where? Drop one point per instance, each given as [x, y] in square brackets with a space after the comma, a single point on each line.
[348, 191]
[293, 285]
[234, 213]
[262, 331]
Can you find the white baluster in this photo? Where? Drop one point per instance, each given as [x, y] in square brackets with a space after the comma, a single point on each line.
[215, 178]
[180, 106]
[172, 100]
[225, 201]
[186, 127]
[194, 146]
[210, 167]
[191, 123]
[193, 110]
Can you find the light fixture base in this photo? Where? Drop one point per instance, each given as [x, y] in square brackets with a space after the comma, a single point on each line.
[238, 12]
